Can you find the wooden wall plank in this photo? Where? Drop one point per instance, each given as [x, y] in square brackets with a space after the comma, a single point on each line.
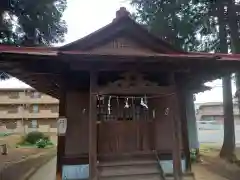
[93, 127]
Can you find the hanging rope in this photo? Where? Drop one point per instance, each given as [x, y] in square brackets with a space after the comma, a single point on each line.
[143, 101]
[135, 97]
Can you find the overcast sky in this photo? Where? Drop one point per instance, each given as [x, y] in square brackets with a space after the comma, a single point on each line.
[86, 16]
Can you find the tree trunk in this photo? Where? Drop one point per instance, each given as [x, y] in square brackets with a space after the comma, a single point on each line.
[237, 94]
[228, 148]
[235, 41]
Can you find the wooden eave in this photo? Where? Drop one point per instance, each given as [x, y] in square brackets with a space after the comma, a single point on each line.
[46, 81]
[130, 55]
[20, 62]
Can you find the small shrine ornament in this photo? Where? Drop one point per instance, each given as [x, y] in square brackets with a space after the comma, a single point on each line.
[126, 104]
[62, 125]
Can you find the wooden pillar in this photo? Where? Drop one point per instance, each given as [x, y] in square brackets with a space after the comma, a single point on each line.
[93, 127]
[184, 127]
[176, 132]
[192, 124]
[61, 138]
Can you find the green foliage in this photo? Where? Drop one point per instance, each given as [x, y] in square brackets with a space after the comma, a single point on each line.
[33, 137]
[31, 22]
[28, 22]
[41, 143]
[186, 24]
[193, 155]
[46, 138]
[45, 141]
[4, 134]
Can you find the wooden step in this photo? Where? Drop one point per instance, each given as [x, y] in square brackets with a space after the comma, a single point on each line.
[184, 178]
[126, 156]
[142, 177]
[128, 169]
[127, 163]
[149, 176]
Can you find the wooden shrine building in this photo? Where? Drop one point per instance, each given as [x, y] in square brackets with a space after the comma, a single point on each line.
[123, 92]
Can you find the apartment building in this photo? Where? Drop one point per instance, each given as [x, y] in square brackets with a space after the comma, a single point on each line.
[24, 109]
[213, 111]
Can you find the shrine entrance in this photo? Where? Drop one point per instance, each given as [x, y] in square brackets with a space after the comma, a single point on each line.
[128, 113]
[127, 129]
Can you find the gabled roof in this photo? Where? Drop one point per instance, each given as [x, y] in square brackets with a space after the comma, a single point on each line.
[122, 24]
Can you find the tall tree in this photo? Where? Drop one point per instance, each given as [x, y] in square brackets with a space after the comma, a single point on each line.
[28, 22]
[233, 9]
[185, 23]
[228, 147]
[207, 31]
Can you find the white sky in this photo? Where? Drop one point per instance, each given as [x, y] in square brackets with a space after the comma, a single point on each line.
[86, 16]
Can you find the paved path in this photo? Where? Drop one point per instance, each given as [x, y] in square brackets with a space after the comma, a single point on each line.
[48, 171]
[214, 134]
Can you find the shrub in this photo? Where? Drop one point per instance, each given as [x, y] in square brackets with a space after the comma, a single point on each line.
[41, 143]
[33, 137]
[46, 138]
[193, 155]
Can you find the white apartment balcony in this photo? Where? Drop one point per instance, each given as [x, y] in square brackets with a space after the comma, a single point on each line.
[23, 99]
[42, 114]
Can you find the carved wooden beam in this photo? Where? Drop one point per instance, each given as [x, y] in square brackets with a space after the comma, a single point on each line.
[134, 83]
